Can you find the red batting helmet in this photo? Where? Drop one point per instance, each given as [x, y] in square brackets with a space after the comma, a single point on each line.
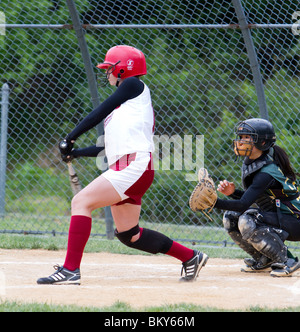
[126, 61]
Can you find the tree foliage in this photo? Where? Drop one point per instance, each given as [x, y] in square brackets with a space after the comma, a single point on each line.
[200, 79]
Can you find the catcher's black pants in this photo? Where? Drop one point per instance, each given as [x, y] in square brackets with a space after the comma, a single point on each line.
[286, 222]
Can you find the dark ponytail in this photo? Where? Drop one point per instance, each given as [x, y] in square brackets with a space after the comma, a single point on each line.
[282, 160]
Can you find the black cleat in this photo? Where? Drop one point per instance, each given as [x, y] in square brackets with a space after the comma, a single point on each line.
[285, 269]
[62, 276]
[193, 266]
[262, 265]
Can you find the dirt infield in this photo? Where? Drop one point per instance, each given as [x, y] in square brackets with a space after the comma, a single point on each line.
[142, 281]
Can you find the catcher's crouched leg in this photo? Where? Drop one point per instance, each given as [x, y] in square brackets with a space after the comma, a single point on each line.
[230, 222]
[264, 239]
[150, 241]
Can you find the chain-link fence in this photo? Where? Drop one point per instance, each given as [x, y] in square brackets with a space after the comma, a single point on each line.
[204, 76]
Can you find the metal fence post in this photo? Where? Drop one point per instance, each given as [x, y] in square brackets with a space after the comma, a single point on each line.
[258, 82]
[93, 90]
[3, 146]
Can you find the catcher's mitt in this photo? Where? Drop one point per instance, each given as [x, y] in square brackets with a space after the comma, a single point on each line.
[204, 196]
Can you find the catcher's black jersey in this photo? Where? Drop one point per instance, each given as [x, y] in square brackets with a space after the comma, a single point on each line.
[259, 183]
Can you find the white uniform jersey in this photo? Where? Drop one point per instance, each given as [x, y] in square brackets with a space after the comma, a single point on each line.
[129, 128]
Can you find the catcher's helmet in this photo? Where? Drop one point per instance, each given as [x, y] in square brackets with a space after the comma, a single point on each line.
[261, 131]
[124, 61]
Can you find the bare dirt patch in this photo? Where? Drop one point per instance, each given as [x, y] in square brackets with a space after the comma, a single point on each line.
[142, 281]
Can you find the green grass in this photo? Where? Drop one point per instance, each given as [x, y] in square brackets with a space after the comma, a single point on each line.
[12, 306]
[99, 244]
[190, 234]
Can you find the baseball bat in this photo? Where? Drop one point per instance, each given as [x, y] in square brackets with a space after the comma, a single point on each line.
[74, 180]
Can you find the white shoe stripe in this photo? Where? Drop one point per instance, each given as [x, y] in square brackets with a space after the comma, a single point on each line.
[57, 276]
[60, 277]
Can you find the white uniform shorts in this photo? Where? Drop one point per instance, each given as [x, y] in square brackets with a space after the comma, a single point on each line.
[131, 176]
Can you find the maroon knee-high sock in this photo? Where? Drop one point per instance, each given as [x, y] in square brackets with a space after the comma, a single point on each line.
[79, 232]
[155, 242]
[180, 252]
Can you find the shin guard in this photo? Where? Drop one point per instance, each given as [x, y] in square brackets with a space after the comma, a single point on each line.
[150, 241]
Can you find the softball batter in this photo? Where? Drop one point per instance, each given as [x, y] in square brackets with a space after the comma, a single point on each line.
[129, 126]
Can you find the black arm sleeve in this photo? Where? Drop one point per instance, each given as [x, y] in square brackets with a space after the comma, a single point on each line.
[130, 88]
[91, 151]
[237, 194]
[261, 182]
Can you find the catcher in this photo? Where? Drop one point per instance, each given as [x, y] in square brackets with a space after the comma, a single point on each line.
[267, 212]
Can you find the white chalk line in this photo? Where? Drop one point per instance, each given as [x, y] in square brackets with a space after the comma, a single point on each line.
[144, 265]
[105, 287]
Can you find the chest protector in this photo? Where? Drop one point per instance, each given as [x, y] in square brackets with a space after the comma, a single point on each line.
[287, 199]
